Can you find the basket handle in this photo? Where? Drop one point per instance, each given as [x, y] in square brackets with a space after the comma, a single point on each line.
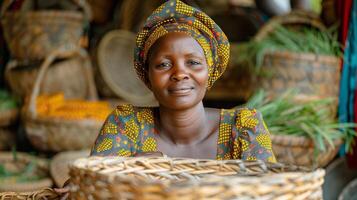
[81, 3]
[295, 17]
[92, 91]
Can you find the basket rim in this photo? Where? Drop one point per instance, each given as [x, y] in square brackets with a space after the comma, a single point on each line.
[137, 99]
[125, 175]
[293, 140]
[40, 13]
[66, 157]
[27, 186]
[55, 121]
[304, 55]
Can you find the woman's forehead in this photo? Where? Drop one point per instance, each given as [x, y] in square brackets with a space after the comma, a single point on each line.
[176, 42]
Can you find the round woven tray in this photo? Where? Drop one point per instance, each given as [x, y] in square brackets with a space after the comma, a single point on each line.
[299, 150]
[42, 167]
[47, 193]
[8, 117]
[115, 61]
[59, 166]
[176, 178]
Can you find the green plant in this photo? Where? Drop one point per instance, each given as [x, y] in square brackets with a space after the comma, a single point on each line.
[6, 101]
[304, 40]
[312, 119]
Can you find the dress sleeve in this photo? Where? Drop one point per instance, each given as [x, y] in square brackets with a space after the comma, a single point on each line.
[113, 138]
[251, 137]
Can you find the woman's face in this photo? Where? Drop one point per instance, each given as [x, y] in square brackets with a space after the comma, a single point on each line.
[178, 72]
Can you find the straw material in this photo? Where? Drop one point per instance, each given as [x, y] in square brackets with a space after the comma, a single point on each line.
[8, 117]
[59, 166]
[159, 178]
[54, 134]
[314, 76]
[21, 77]
[299, 150]
[32, 35]
[47, 193]
[7, 159]
[115, 63]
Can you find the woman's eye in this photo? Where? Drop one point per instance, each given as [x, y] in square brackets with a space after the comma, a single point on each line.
[164, 65]
[193, 62]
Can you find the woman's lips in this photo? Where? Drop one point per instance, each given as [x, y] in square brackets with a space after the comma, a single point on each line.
[180, 90]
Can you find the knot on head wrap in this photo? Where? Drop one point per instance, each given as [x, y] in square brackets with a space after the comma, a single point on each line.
[175, 16]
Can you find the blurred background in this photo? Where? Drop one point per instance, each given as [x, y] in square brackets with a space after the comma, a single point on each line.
[66, 64]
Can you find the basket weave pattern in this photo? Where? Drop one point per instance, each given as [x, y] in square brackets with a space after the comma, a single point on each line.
[22, 158]
[175, 178]
[46, 193]
[299, 150]
[55, 134]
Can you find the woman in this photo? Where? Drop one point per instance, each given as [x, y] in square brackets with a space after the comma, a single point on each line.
[180, 53]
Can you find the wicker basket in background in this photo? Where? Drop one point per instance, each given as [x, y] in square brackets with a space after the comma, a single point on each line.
[301, 151]
[46, 193]
[315, 76]
[59, 167]
[21, 78]
[32, 35]
[178, 178]
[54, 134]
[42, 168]
[115, 60]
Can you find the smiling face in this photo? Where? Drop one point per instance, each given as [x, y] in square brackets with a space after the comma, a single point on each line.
[178, 72]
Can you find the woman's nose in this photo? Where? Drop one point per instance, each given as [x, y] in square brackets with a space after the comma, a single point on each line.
[179, 73]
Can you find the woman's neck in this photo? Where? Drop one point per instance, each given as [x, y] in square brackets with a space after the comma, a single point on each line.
[182, 127]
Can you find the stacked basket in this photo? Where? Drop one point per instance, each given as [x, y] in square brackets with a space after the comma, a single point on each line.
[315, 76]
[33, 35]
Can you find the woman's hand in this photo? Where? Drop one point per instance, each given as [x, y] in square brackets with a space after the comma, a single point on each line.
[149, 154]
[64, 191]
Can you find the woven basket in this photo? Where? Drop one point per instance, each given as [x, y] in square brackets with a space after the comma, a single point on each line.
[8, 117]
[47, 193]
[59, 166]
[115, 63]
[22, 159]
[21, 78]
[32, 35]
[53, 134]
[299, 150]
[315, 76]
[174, 178]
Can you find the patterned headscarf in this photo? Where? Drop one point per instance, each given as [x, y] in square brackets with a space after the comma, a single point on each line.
[175, 16]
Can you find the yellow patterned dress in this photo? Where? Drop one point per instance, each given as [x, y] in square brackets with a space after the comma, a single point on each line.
[129, 130]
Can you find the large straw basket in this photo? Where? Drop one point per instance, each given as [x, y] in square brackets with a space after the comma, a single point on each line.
[159, 178]
[115, 56]
[59, 166]
[47, 193]
[32, 35]
[54, 134]
[315, 76]
[7, 159]
[300, 150]
[21, 78]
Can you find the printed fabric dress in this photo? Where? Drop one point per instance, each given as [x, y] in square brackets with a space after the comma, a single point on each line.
[129, 130]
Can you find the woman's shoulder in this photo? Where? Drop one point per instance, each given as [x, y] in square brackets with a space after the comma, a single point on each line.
[241, 112]
[128, 111]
